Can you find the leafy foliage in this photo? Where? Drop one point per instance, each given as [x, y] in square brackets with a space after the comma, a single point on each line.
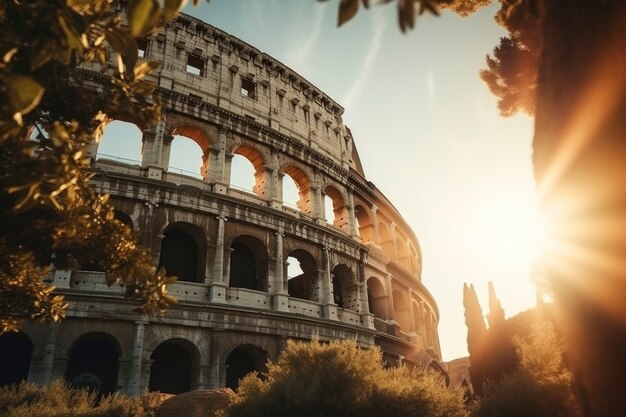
[47, 123]
[338, 378]
[59, 399]
[541, 386]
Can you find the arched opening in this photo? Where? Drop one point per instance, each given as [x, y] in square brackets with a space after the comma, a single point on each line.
[301, 194]
[243, 360]
[248, 264]
[402, 313]
[291, 195]
[302, 279]
[247, 171]
[377, 299]
[430, 331]
[414, 260]
[187, 157]
[338, 212]
[345, 292]
[124, 218]
[403, 252]
[93, 363]
[366, 228]
[418, 319]
[386, 242]
[121, 141]
[16, 350]
[179, 255]
[173, 368]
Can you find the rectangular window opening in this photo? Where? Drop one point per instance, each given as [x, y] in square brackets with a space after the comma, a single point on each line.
[195, 65]
[142, 47]
[248, 88]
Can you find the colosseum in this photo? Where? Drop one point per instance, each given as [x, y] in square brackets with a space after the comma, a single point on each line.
[357, 262]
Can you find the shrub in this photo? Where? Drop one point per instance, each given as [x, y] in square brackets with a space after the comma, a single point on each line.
[340, 379]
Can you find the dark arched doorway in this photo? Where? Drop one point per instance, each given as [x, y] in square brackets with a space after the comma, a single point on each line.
[172, 368]
[243, 360]
[179, 255]
[16, 350]
[93, 363]
[242, 267]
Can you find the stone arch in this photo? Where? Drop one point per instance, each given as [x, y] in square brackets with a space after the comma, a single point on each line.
[418, 318]
[365, 225]
[16, 350]
[248, 263]
[402, 250]
[340, 210]
[242, 360]
[256, 159]
[115, 143]
[183, 252]
[345, 290]
[93, 362]
[377, 298]
[306, 285]
[413, 260]
[303, 183]
[177, 150]
[175, 366]
[124, 218]
[402, 311]
[386, 242]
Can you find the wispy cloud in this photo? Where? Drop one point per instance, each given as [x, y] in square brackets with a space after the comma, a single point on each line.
[379, 23]
[300, 53]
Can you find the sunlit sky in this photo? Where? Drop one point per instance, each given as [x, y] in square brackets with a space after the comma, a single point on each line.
[428, 133]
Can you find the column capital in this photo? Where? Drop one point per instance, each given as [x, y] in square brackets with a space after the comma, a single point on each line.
[222, 218]
[374, 208]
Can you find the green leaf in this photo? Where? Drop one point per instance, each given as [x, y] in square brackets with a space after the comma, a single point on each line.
[347, 10]
[172, 7]
[142, 16]
[24, 93]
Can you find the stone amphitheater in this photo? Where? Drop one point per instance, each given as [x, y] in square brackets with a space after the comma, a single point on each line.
[358, 263]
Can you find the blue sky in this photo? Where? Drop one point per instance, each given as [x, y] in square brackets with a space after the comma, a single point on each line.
[428, 133]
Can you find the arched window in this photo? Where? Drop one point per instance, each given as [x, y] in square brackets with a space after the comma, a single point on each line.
[297, 189]
[302, 275]
[242, 267]
[366, 228]
[345, 292]
[248, 264]
[122, 142]
[243, 360]
[242, 174]
[15, 353]
[179, 255]
[403, 252]
[336, 211]
[93, 363]
[186, 157]
[402, 313]
[172, 369]
[386, 242]
[377, 299]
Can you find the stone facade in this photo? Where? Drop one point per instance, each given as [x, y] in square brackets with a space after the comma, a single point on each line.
[361, 273]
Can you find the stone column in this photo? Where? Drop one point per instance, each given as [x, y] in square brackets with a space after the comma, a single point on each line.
[217, 287]
[217, 167]
[280, 297]
[276, 191]
[367, 318]
[390, 306]
[354, 225]
[329, 309]
[213, 380]
[41, 372]
[152, 149]
[134, 381]
[393, 238]
[375, 219]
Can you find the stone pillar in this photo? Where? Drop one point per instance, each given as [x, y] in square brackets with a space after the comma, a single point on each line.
[390, 306]
[393, 238]
[217, 166]
[217, 286]
[276, 194]
[353, 224]
[280, 297]
[329, 309]
[213, 377]
[134, 381]
[152, 149]
[375, 220]
[41, 371]
[367, 318]
[228, 162]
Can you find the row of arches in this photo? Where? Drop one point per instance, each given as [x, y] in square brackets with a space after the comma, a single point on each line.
[244, 167]
[93, 362]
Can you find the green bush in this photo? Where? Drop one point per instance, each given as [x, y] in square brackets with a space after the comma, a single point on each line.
[339, 379]
[61, 400]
